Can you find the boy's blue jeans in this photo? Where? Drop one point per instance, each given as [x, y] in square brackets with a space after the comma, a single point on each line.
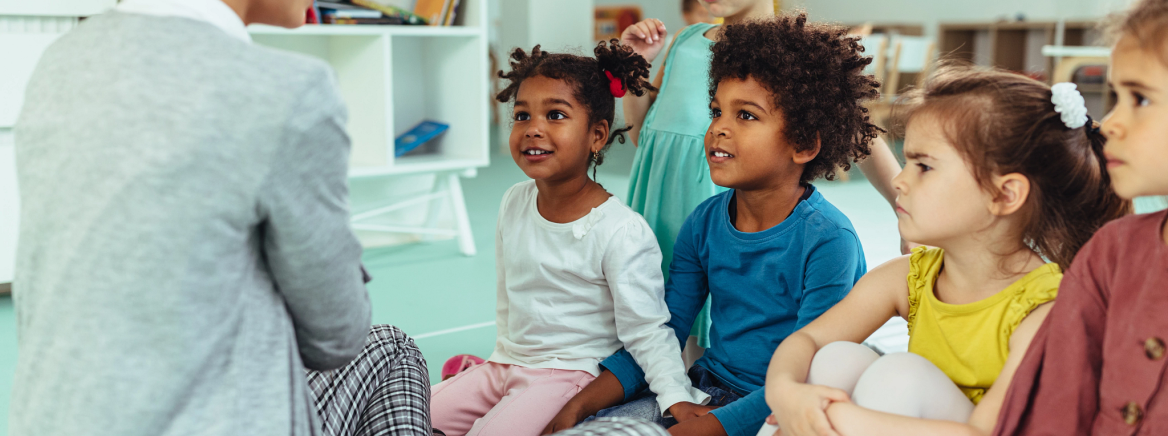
[644, 405]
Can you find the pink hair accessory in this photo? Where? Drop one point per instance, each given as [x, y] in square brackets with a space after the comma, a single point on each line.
[615, 86]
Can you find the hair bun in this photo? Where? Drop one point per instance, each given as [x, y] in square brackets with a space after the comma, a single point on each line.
[622, 63]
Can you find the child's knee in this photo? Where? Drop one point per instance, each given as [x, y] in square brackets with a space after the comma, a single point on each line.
[390, 337]
[905, 384]
[899, 370]
[840, 364]
[844, 350]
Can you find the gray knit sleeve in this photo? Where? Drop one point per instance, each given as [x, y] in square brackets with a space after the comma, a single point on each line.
[309, 246]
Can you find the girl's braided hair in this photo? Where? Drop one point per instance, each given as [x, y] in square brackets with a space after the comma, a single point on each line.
[587, 77]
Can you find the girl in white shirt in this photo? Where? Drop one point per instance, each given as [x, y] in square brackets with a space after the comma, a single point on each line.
[579, 272]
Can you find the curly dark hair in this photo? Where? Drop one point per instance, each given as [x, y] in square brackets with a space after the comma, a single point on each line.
[588, 79]
[816, 74]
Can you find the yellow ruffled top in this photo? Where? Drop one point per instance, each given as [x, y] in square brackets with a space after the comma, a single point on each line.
[970, 342]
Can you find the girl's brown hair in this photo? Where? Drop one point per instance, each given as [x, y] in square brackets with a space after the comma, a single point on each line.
[1005, 123]
[587, 78]
[1146, 21]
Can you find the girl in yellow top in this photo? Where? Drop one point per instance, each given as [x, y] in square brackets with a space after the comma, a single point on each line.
[1002, 172]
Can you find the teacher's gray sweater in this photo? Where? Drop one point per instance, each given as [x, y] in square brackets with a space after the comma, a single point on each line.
[184, 248]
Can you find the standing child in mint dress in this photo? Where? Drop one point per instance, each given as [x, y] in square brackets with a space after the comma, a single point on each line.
[670, 176]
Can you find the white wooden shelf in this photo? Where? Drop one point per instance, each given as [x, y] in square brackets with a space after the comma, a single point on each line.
[1075, 51]
[55, 8]
[424, 163]
[393, 77]
[357, 29]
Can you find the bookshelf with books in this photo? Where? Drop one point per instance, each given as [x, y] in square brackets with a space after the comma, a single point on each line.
[381, 12]
[393, 78]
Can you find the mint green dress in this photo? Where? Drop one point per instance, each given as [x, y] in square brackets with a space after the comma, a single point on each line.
[670, 176]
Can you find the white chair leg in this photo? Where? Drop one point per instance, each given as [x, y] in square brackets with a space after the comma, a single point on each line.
[466, 242]
[434, 209]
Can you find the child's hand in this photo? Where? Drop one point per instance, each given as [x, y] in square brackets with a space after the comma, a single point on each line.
[800, 409]
[647, 38]
[771, 428]
[685, 411]
[568, 417]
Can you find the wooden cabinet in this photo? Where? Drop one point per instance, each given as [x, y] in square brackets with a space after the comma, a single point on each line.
[1014, 46]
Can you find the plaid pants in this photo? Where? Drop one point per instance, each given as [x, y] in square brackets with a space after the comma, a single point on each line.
[385, 391]
[615, 427]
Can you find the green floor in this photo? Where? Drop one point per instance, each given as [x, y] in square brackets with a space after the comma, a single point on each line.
[447, 300]
[7, 358]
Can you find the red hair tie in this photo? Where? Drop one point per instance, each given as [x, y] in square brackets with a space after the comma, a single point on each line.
[615, 86]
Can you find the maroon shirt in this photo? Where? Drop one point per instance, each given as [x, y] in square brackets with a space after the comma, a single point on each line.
[1096, 366]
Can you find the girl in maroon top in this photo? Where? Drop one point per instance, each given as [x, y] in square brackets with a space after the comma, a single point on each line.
[1097, 365]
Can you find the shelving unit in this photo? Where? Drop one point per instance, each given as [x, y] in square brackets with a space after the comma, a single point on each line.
[1069, 60]
[1015, 46]
[1019, 46]
[906, 29]
[393, 77]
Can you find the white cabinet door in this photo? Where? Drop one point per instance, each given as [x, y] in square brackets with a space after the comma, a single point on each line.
[22, 42]
[9, 207]
[56, 8]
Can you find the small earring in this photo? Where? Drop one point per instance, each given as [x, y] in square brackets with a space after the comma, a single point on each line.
[596, 159]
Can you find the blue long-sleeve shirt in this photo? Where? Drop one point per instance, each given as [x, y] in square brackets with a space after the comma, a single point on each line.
[763, 286]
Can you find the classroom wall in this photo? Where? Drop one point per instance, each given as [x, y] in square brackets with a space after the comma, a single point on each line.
[668, 11]
[9, 207]
[558, 25]
[927, 12]
[55, 8]
[931, 12]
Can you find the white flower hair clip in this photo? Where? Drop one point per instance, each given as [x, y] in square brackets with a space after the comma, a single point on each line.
[1069, 103]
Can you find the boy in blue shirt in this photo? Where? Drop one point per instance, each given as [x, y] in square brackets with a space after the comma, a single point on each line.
[771, 253]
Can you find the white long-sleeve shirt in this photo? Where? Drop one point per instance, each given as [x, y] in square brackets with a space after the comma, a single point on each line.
[572, 294]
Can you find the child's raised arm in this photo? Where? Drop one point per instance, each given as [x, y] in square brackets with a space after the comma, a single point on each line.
[647, 38]
[801, 408]
[880, 167]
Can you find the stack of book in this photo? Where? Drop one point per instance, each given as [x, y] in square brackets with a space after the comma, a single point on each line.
[425, 12]
[437, 12]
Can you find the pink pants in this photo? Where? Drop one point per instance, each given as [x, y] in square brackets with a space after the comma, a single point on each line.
[505, 400]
